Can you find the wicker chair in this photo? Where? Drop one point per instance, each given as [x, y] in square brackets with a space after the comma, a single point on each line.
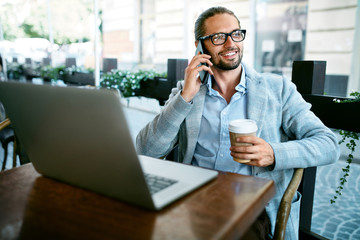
[285, 204]
[6, 136]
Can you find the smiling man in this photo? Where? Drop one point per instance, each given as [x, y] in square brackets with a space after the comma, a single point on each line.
[197, 115]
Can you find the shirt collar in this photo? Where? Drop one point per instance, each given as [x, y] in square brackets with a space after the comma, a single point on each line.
[241, 87]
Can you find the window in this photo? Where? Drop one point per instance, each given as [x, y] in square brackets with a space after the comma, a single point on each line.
[147, 31]
[280, 39]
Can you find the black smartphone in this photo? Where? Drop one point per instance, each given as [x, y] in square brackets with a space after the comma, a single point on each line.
[204, 75]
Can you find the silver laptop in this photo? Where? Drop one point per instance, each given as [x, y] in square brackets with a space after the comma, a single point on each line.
[80, 136]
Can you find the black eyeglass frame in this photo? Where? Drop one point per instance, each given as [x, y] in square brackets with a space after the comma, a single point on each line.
[243, 31]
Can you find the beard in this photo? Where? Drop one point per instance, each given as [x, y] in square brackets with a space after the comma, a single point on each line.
[227, 65]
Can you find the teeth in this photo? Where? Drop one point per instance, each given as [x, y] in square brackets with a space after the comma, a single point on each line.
[230, 54]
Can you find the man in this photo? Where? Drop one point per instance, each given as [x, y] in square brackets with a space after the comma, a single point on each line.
[197, 115]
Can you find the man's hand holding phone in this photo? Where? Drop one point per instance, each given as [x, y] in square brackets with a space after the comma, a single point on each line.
[196, 73]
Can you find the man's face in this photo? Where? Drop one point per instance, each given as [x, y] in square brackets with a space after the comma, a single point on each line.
[227, 56]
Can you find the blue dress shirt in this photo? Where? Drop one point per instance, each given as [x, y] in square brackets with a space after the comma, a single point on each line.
[212, 148]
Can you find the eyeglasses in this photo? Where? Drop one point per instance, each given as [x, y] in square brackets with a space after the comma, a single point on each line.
[237, 35]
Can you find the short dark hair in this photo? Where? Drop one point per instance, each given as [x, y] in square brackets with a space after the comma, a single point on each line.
[199, 24]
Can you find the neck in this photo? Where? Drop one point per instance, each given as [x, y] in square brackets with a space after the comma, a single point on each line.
[226, 81]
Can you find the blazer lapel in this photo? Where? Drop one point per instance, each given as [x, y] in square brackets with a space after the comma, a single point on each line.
[193, 122]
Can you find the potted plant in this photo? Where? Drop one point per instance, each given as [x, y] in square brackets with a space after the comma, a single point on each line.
[140, 83]
[349, 138]
[49, 73]
[15, 70]
[80, 76]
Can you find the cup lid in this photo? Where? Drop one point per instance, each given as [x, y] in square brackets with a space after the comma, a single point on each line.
[243, 126]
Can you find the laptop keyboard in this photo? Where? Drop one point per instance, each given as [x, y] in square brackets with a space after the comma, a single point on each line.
[157, 183]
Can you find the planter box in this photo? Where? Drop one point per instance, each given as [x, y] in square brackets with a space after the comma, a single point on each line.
[31, 73]
[158, 88]
[79, 78]
[335, 115]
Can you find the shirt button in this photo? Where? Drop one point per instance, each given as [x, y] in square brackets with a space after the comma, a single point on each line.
[221, 155]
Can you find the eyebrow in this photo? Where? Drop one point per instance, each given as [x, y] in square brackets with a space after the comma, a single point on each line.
[224, 32]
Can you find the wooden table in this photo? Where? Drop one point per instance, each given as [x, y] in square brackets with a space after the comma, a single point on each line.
[36, 207]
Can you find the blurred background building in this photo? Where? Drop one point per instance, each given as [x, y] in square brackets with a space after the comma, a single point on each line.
[143, 34]
[278, 32]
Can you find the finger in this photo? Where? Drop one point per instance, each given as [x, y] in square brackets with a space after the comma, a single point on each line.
[244, 149]
[201, 65]
[203, 58]
[208, 62]
[203, 55]
[199, 57]
[251, 163]
[258, 163]
[204, 68]
[254, 162]
[247, 156]
[249, 139]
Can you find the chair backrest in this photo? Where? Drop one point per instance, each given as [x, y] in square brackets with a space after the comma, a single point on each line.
[4, 123]
[9, 135]
[109, 64]
[69, 62]
[46, 61]
[2, 112]
[6, 136]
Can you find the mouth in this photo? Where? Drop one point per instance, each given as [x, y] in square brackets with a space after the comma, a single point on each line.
[229, 53]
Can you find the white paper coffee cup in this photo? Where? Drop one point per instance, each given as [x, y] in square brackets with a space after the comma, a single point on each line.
[241, 127]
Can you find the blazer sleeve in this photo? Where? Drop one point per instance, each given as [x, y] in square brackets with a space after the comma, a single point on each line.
[312, 143]
[160, 135]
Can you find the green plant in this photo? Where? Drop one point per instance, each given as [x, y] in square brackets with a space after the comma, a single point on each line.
[351, 145]
[34, 23]
[71, 70]
[127, 82]
[60, 72]
[15, 70]
[53, 73]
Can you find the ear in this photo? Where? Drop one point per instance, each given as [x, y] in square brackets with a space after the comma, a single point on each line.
[196, 43]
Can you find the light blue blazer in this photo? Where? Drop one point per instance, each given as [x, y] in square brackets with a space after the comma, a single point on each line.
[299, 139]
